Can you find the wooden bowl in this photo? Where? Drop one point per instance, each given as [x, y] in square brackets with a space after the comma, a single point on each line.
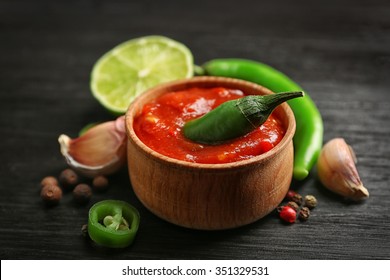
[210, 196]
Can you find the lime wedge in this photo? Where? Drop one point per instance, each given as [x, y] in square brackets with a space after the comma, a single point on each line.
[135, 66]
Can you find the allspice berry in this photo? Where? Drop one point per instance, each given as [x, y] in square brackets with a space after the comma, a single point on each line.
[51, 194]
[310, 201]
[49, 180]
[304, 214]
[82, 193]
[100, 183]
[68, 179]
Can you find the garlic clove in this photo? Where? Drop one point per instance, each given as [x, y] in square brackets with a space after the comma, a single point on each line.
[337, 170]
[99, 151]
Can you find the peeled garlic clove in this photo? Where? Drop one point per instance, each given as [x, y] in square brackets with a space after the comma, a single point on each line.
[337, 170]
[99, 151]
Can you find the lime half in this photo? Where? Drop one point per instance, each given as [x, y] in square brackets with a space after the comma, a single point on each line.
[135, 66]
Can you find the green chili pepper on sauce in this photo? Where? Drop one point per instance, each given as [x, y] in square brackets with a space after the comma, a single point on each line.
[113, 223]
[309, 130]
[235, 118]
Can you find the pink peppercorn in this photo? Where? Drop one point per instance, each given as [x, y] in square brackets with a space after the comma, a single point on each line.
[288, 214]
[290, 194]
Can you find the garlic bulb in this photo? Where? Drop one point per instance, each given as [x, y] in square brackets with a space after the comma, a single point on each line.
[337, 170]
[99, 151]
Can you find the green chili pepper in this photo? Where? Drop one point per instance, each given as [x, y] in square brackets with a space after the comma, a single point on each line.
[235, 118]
[86, 128]
[309, 131]
[113, 223]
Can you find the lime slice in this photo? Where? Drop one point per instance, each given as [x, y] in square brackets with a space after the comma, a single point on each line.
[135, 66]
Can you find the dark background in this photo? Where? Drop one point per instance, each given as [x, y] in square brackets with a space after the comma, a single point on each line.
[339, 53]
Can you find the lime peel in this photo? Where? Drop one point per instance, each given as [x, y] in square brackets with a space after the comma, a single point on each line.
[136, 65]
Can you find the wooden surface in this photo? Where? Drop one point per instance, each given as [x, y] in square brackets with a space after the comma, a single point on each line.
[339, 53]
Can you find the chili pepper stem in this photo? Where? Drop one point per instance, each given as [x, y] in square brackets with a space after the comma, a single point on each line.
[280, 97]
[256, 109]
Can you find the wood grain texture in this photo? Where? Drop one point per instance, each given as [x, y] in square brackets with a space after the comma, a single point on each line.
[339, 53]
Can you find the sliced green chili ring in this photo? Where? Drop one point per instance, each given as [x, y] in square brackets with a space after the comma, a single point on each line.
[309, 125]
[113, 223]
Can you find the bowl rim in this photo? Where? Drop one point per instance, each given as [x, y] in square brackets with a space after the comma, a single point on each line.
[203, 81]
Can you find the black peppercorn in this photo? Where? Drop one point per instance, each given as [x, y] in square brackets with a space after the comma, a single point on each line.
[68, 179]
[82, 193]
[297, 198]
[293, 205]
[304, 214]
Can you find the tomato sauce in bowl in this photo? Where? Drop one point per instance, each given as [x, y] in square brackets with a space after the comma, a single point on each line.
[200, 186]
[159, 126]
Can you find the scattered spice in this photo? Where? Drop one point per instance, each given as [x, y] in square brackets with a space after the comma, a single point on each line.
[100, 183]
[49, 180]
[304, 214]
[290, 194]
[68, 179]
[82, 193]
[293, 205]
[51, 194]
[288, 214]
[301, 207]
[310, 201]
[297, 198]
[84, 230]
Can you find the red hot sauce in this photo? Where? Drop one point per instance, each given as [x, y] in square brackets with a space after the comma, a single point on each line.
[160, 122]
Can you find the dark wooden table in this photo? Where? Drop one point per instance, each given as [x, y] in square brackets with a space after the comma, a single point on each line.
[340, 54]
